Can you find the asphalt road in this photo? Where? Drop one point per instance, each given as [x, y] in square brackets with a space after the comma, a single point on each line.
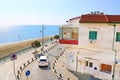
[42, 73]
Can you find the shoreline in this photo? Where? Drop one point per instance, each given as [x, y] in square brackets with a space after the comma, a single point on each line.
[9, 48]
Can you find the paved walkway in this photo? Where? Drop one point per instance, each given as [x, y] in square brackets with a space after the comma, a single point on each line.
[7, 73]
[59, 67]
[6, 69]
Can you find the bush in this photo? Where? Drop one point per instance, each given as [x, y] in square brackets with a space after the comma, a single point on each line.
[35, 44]
[56, 37]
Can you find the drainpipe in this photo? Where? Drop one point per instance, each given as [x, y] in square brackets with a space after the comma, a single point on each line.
[77, 61]
[113, 75]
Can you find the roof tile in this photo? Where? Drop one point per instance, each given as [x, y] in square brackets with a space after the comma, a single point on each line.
[98, 18]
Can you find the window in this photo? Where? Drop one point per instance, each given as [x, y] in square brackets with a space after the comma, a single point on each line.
[91, 64]
[86, 63]
[69, 33]
[92, 35]
[60, 32]
[66, 33]
[74, 33]
[106, 68]
[118, 36]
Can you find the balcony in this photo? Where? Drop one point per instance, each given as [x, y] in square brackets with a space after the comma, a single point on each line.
[64, 41]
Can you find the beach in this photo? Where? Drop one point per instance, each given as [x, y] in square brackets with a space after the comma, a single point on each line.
[10, 48]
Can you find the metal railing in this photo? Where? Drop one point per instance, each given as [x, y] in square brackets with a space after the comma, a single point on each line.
[18, 53]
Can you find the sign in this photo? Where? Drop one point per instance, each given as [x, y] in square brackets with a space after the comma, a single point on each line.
[27, 72]
[71, 56]
[13, 57]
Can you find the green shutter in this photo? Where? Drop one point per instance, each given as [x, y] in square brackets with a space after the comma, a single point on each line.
[92, 35]
[118, 36]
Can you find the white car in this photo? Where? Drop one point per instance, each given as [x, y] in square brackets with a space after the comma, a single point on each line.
[43, 61]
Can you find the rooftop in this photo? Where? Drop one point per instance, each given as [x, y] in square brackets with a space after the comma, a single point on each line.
[98, 18]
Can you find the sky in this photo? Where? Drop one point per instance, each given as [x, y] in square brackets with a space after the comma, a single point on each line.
[51, 12]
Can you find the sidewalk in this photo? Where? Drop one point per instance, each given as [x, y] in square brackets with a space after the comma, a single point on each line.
[85, 76]
[60, 69]
[6, 69]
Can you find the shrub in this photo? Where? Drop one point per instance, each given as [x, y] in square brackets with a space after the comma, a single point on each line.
[35, 44]
[56, 37]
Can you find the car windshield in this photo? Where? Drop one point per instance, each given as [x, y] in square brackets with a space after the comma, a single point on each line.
[43, 60]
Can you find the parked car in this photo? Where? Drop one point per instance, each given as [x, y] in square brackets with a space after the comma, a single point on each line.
[43, 61]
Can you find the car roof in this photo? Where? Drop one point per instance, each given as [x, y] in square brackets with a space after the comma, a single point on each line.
[43, 57]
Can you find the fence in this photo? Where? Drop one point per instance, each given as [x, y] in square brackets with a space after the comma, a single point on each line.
[18, 53]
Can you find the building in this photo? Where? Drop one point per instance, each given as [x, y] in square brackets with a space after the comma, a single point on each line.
[92, 43]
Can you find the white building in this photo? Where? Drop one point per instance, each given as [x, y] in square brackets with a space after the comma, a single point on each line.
[92, 44]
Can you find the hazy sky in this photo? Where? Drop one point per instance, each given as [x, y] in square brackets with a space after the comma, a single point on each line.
[22, 12]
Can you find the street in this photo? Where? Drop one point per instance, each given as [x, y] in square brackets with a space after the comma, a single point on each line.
[42, 73]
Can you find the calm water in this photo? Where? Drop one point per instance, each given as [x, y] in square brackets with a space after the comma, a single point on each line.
[24, 32]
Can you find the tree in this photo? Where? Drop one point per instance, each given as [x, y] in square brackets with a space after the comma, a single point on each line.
[35, 44]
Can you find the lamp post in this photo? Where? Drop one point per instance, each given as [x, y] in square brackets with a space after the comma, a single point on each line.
[42, 37]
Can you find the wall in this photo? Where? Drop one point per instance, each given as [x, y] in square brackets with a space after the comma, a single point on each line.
[77, 57]
[75, 21]
[117, 44]
[104, 36]
[71, 58]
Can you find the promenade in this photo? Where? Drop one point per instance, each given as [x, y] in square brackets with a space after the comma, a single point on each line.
[58, 64]
[6, 69]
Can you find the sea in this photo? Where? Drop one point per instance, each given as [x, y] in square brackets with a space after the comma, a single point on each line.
[25, 32]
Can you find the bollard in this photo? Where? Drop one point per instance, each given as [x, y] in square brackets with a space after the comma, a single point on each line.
[53, 67]
[55, 71]
[18, 72]
[60, 75]
[55, 61]
[20, 68]
[56, 58]
[18, 77]
[32, 59]
[28, 62]
[61, 54]
[53, 64]
[24, 64]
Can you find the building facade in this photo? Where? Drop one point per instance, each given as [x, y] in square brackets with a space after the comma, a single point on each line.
[92, 44]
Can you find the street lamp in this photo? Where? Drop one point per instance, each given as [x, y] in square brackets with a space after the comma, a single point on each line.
[42, 38]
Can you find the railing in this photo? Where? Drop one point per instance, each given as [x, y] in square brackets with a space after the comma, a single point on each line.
[18, 53]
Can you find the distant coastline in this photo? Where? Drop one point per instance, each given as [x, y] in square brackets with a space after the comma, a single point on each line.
[25, 32]
[9, 48]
